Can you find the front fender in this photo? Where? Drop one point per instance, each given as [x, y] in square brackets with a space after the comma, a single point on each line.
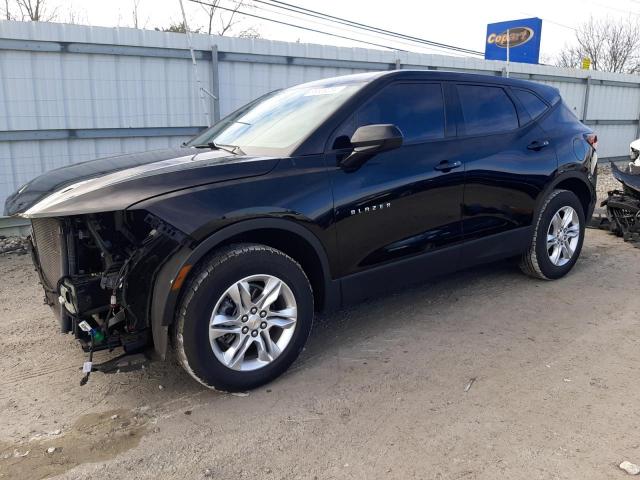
[171, 277]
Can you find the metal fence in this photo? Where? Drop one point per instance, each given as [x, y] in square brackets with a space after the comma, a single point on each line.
[70, 93]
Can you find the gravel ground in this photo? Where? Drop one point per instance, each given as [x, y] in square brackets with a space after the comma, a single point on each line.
[380, 392]
[606, 181]
[13, 244]
[485, 374]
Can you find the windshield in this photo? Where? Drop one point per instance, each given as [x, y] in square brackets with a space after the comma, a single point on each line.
[279, 120]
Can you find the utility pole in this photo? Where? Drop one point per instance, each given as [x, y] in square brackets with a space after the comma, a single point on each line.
[201, 90]
[508, 45]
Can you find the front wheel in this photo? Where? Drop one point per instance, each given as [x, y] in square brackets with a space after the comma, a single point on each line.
[557, 238]
[244, 318]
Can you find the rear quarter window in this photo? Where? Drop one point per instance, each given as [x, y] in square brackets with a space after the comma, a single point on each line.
[531, 103]
[486, 109]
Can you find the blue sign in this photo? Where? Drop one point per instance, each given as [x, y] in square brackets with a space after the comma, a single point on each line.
[523, 39]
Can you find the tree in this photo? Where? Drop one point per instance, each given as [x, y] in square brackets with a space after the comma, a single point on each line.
[250, 32]
[36, 10]
[210, 10]
[7, 12]
[76, 18]
[570, 57]
[227, 19]
[178, 27]
[611, 45]
[136, 3]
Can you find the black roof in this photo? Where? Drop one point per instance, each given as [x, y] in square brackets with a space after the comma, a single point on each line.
[548, 93]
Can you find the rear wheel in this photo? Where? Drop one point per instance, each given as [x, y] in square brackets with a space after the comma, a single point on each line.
[245, 317]
[557, 238]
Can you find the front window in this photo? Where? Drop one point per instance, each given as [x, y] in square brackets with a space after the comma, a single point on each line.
[417, 109]
[279, 121]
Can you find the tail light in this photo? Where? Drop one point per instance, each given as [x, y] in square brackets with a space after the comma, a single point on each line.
[592, 139]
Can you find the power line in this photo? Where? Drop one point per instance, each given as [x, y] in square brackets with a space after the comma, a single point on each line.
[437, 50]
[362, 26]
[296, 26]
[568, 27]
[614, 9]
[356, 25]
[553, 22]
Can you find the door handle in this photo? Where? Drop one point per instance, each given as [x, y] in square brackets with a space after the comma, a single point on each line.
[446, 166]
[537, 145]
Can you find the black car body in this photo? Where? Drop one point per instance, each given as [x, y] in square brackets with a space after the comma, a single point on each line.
[455, 172]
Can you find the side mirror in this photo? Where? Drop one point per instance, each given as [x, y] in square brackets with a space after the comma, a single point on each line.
[369, 140]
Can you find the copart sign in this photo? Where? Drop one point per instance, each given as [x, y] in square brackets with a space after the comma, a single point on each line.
[521, 37]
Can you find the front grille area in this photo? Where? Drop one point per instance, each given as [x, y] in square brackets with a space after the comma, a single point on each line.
[48, 238]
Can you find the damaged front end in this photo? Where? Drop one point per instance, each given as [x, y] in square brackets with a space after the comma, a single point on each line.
[623, 206]
[98, 272]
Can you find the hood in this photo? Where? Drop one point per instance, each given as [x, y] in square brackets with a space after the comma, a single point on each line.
[115, 183]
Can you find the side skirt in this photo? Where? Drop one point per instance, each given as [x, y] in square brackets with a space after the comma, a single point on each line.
[496, 247]
[399, 274]
[419, 268]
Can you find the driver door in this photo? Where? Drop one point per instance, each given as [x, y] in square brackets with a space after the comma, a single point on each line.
[398, 216]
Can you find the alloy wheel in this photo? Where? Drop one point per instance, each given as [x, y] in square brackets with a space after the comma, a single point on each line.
[563, 236]
[253, 322]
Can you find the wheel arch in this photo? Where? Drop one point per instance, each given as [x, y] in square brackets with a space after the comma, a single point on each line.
[287, 236]
[581, 189]
[576, 183]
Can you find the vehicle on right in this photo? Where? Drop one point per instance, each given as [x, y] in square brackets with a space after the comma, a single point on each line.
[634, 150]
[623, 204]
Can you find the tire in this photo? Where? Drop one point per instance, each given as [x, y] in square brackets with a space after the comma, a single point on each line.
[246, 273]
[540, 261]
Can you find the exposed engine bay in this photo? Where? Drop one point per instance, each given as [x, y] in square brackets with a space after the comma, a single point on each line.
[98, 270]
[623, 206]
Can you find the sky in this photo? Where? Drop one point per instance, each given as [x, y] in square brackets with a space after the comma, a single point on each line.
[455, 22]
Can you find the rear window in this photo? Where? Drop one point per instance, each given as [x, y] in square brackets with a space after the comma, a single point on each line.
[486, 109]
[531, 103]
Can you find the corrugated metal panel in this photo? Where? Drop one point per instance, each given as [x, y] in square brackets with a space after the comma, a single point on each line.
[613, 140]
[614, 103]
[54, 89]
[22, 161]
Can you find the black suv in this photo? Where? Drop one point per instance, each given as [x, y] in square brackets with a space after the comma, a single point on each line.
[305, 200]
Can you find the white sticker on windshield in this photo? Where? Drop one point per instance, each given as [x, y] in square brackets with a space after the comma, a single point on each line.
[324, 91]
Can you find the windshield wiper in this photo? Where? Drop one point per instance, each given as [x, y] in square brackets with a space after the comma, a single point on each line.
[234, 149]
[217, 146]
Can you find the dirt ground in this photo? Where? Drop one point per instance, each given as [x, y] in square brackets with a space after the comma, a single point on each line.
[384, 390]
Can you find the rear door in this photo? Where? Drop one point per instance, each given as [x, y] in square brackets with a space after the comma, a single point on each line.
[400, 203]
[508, 161]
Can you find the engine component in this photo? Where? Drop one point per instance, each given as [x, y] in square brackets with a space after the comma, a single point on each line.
[81, 295]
